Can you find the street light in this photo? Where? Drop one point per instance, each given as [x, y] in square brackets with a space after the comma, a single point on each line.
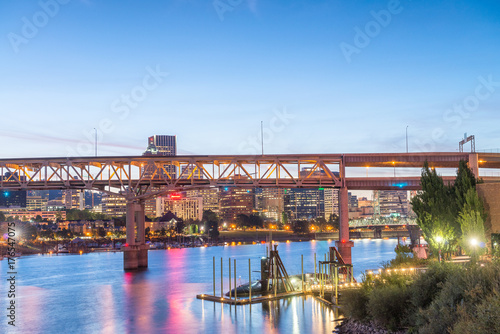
[407, 138]
[439, 239]
[95, 141]
[473, 242]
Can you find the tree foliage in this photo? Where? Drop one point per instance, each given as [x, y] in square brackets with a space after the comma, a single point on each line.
[300, 227]
[449, 214]
[209, 215]
[211, 223]
[434, 207]
[75, 214]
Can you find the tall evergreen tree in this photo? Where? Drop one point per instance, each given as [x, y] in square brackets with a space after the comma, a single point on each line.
[471, 221]
[434, 207]
[464, 181]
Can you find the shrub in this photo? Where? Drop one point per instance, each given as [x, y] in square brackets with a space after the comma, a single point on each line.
[428, 284]
[485, 320]
[354, 304]
[463, 291]
[388, 305]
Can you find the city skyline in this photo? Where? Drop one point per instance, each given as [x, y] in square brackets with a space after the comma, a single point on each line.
[210, 76]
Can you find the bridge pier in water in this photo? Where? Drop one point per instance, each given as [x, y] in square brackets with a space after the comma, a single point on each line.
[344, 245]
[135, 252]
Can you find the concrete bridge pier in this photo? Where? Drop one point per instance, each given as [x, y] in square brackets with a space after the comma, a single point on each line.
[344, 245]
[135, 251]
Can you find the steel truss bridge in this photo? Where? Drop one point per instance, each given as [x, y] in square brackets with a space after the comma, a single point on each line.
[138, 178]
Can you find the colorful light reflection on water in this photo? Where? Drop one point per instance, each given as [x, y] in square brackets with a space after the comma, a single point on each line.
[92, 294]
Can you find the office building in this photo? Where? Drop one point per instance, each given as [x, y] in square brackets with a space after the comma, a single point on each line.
[235, 201]
[9, 199]
[159, 145]
[270, 203]
[331, 202]
[74, 199]
[36, 203]
[114, 205]
[304, 204]
[390, 202]
[210, 197]
[182, 207]
[353, 202]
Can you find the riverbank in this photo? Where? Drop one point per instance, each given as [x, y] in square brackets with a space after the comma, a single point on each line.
[455, 298]
[232, 238]
[350, 326]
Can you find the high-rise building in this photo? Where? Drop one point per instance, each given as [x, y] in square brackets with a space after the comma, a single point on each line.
[160, 145]
[92, 198]
[182, 207]
[165, 145]
[114, 205]
[304, 203]
[270, 202]
[353, 202]
[36, 203]
[235, 201]
[210, 197]
[9, 199]
[331, 202]
[191, 172]
[365, 206]
[74, 199]
[390, 202]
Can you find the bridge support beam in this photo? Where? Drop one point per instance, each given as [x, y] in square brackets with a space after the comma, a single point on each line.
[474, 164]
[344, 245]
[135, 252]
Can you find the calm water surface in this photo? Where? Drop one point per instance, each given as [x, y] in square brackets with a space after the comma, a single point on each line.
[91, 293]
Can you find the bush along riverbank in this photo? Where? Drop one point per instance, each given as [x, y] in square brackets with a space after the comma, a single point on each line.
[446, 298]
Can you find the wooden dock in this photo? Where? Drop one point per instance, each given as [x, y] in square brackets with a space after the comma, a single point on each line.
[247, 301]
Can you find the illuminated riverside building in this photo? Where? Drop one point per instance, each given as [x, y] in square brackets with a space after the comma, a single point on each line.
[390, 202]
[114, 205]
[234, 202]
[270, 202]
[36, 203]
[160, 145]
[331, 202]
[10, 199]
[25, 215]
[182, 207]
[304, 203]
[210, 197]
[74, 199]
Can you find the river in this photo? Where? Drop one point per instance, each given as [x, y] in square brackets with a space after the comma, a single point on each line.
[91, 293]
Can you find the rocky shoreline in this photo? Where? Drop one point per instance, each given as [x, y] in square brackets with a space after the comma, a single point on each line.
[354, 327]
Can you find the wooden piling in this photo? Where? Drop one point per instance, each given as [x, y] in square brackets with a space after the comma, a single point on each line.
[235, 286]
[230, 294]
[315, 277]
[302, 266]
[249, 280]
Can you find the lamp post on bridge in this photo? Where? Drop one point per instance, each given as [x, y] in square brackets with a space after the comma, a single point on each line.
[407, 139]
[95, 141]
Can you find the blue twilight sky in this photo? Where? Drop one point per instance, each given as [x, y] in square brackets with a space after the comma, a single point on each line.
[324, 76]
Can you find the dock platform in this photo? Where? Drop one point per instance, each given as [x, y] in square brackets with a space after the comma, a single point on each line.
[247, 301]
